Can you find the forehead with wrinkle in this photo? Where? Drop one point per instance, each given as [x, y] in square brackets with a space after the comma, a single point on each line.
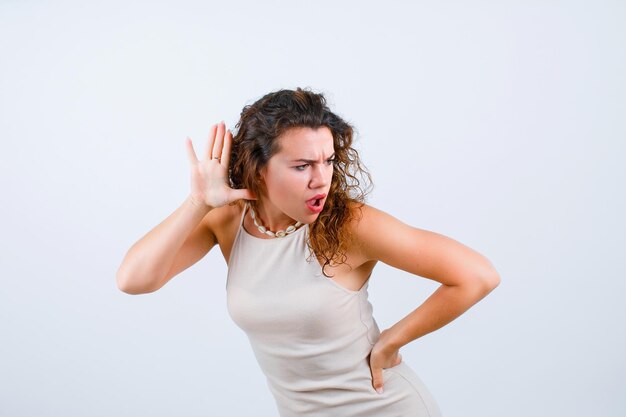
[306, 144]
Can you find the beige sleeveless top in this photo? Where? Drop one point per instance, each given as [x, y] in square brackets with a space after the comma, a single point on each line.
[311, 336]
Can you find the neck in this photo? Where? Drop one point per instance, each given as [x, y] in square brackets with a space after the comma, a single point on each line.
[272, 222]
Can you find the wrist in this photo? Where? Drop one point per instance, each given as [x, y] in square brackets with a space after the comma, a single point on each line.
[201, 205]
[392, 339]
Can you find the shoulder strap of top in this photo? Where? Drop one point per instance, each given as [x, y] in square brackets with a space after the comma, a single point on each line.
[238, 233]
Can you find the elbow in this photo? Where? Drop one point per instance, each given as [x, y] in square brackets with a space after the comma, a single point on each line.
[130, 286]
[483, 282]
[490, 280]
[478, 287]
[123, 284]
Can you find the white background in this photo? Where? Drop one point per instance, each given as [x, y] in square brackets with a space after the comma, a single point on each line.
[500, 124]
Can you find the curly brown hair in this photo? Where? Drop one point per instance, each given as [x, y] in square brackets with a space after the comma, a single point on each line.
[254, 143]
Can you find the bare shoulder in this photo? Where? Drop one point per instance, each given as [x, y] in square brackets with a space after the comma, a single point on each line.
[219, 221]
[370, 228]
[383, 237]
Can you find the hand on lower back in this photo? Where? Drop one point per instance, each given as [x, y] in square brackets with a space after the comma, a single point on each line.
[381, 357]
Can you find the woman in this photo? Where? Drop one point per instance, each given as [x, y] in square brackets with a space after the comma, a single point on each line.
[282, 201]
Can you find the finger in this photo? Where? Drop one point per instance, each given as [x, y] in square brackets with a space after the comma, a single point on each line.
[209, 148]
[228, 141]
[191, 154]
[377, 379]
[219, 141]
[377, 376]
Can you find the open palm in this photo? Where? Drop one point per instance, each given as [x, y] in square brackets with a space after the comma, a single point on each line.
[209, 178]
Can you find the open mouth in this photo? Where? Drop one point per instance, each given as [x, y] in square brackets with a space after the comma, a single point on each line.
[316, 203]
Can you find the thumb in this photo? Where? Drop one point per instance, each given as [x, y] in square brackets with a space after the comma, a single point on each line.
[244, 194]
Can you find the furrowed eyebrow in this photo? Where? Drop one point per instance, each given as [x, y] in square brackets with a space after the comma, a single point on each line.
[309, 161]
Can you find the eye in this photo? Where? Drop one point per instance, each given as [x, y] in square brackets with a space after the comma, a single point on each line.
[302, 167]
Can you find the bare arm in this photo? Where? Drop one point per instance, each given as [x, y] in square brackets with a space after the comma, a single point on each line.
[466, 277]
[150, 262]
[183, 237]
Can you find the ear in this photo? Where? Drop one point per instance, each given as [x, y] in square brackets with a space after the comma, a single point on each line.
[260, 176]
[260, 180]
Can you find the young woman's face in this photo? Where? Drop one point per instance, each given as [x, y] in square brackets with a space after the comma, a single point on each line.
[302, 170]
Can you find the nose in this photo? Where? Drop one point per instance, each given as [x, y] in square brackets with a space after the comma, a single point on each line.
[320, 176]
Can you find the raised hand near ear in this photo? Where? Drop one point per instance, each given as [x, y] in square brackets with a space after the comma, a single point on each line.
[209, 178]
